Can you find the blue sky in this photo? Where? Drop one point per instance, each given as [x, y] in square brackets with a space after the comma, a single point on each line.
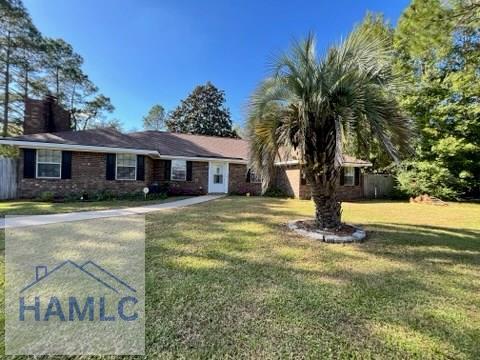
[143, 52]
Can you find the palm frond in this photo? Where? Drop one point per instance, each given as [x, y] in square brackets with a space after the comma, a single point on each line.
[313, 104]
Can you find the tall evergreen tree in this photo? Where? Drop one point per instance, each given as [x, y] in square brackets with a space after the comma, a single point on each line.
[32, 66]
[91, 115]
[16, 31]
[63, 67]
[203, 112]
[155, 119]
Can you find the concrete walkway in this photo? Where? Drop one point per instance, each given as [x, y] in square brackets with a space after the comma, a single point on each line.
[33, 220]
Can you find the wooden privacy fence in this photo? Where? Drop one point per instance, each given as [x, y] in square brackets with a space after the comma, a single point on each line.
[8, 178]
[377, 186]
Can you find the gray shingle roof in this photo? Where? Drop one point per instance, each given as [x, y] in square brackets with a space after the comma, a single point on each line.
[166, 143]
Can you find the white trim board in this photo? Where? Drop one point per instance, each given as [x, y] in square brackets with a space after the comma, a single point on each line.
[72, 147]
[206, 159]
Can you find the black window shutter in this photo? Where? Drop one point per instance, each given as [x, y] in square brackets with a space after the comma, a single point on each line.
[189, 171]
[29, 159]
[249, 176]
[140, 167]
[342, 176]
[357, 176]
[66, 164]
[111, 161]
[168, 167]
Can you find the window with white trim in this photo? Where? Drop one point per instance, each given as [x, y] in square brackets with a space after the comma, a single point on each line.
[349, 176]
[126, 167]
[179, 170]
[49, 164]
[254, 177]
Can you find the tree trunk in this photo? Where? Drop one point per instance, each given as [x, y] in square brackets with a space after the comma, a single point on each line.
[322, 174]
[328, 211]
[72, 113]
[57, 83]
[25, 90]
[6, 99]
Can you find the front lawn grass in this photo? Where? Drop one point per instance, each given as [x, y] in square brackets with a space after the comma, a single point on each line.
[226, 279]
[29, 207]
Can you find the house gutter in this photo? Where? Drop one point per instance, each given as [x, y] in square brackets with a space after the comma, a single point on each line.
[73, 147]
[200, 158]
[296, 162]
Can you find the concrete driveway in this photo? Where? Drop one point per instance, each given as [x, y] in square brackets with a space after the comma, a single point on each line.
[33, 220]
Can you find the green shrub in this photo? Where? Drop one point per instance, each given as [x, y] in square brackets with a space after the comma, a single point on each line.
[423, 177]
[47, 196]
[71, 197]
[137, 195]
[397, 193]
[274, 191]
[160, 196]
[103, 195]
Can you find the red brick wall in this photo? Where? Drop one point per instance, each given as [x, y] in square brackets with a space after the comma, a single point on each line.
[37, 114]
[198, 185]
[288, 179]
[88, 175]
[237, 181]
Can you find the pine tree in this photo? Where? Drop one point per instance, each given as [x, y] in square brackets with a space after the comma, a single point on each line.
[155, 119]
[32, 66]
[16, 33]
[203, 112]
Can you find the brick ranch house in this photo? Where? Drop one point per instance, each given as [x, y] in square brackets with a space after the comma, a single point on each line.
[290, 178]
[105, 159]
[73, 162]
[64, 162]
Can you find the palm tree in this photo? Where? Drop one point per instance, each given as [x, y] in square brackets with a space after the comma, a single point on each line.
[310, 105]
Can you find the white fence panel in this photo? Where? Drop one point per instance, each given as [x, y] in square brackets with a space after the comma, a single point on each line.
[8, 178]
[377, 186]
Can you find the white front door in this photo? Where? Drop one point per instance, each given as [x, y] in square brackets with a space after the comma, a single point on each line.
[218, 177]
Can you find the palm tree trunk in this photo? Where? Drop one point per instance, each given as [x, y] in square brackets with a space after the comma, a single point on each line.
[322, 175]
[328, 211]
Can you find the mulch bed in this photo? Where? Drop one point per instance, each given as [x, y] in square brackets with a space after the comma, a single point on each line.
[309, 225]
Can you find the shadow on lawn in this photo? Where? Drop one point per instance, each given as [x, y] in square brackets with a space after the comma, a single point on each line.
[255, 290]
[419, 242]
[236, 294]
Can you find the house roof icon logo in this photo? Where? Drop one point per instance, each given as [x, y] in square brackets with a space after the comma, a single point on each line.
[89, 269]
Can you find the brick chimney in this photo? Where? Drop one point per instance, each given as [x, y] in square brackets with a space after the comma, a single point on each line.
[45, 116]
